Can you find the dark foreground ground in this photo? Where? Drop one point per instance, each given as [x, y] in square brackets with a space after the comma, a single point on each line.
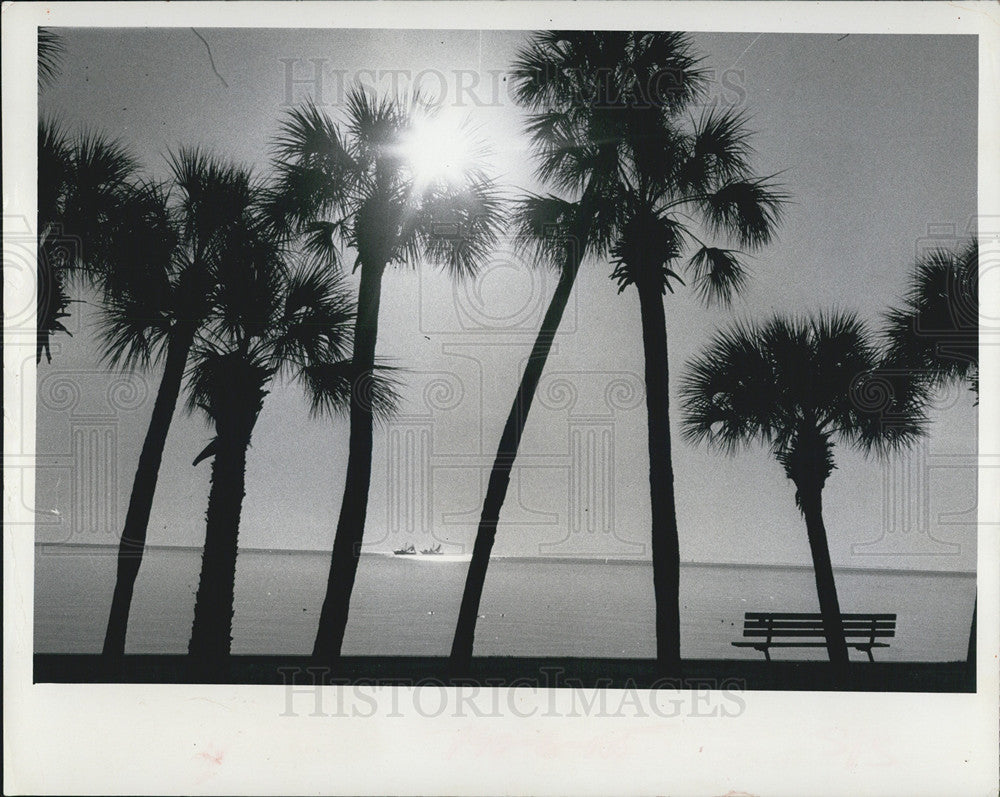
[521, 671]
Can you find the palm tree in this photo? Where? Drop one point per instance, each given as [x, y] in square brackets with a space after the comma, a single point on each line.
[551, 231]
[935, 333]
[166, 249]
[798, 385]
[354, 184]
[936, 330]
[605, 122]
[83, 182]
[267, 323]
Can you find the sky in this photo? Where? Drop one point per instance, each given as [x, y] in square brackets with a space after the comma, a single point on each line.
[874, 138]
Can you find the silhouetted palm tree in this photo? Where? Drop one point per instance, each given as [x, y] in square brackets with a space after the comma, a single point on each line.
[83, 182]
[266, 323]
[158, 284]
[352, 184]
[797, 385]
[607, 121]
[935, 333]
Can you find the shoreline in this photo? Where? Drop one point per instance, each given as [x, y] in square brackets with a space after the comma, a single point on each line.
[509, 671]
[113, 548]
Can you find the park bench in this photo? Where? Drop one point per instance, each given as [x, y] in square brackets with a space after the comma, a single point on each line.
[806, 631]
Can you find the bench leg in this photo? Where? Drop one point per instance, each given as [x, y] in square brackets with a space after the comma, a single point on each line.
[871, 658]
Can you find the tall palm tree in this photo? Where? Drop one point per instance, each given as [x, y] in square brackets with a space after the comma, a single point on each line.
[267, 323]
[798, 385]
[83, 183]
[935, 332]
[354, 184]
[655, 239]
[606, 120]
[166, 250]
[555, 232]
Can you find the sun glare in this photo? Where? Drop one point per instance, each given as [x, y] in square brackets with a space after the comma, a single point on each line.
[437, 149]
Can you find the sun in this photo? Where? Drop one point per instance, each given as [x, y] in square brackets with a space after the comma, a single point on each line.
[437, 149]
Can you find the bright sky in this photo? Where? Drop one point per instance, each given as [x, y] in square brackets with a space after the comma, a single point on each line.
[875, 137]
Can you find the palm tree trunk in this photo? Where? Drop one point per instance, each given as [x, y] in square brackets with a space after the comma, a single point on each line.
[133, 539]
[970, 657]
[826, 589]
[666, 554]
[354, 507]
[211, 632]
[510, 440]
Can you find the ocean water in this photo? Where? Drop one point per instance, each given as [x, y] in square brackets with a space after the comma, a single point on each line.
[408, 605]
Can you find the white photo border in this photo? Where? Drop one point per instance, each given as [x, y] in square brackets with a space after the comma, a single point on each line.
[135, 739]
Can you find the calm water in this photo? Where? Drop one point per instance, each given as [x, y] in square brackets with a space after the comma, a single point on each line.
[408, 605]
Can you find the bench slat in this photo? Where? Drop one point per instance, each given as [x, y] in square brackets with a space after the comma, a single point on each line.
[810, 616]
[818, 632]
[856, 645]
[817, 628]
[791, 625]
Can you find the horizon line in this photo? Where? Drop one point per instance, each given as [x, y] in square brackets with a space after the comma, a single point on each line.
[538, 558]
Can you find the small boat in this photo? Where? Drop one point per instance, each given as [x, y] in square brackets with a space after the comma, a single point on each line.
[409, 550]
[435, 551]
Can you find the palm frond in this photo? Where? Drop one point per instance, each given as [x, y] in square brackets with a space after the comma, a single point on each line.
[51, 50]
[101, 163]
[564, 156]
[214, 194]
[329, 387]
[302, 194]
[888, 411]
[719, 151]
[731, 393]
[97, 186]
[935, 331]
[748, 210]
[457, 228]
[316, 320]
[132, 325]
[248, 272]
[140, 245]
[315, 166]
[207, 452]
[321, 242]
[308, 135]
[375, 125]
[717, 274]
[545, 229]
[553, 68]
